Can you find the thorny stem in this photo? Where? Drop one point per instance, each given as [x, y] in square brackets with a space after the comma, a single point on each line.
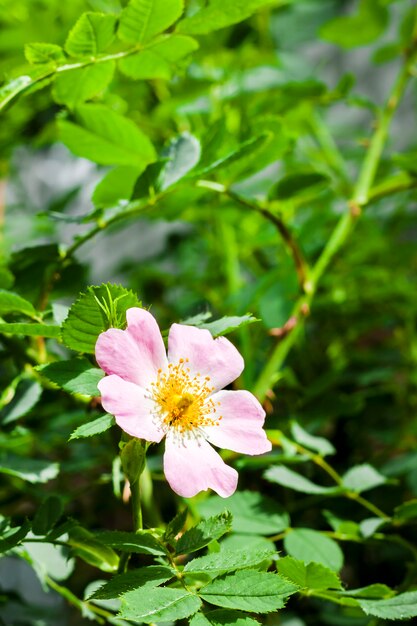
[360, 198]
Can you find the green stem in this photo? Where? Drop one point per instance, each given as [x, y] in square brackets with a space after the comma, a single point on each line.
[136, 506]
[98, 614]
[340, 234]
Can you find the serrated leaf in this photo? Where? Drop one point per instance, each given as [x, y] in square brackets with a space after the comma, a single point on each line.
[222, 617]
[249, 590]
[96, 427]
[76, 86]
[403, 606]
[143, 19]
[216, 14]
[92, 33]
[116, 187]
[86, 546]
[359, 29]
[219, 563]
[160, 59]
[228, 324]
[75, 376]
[159, 604]
[44, 53]
[106, 137]
[26, 396]
[252, 512]
[13, 303]
[86, 319]
[182, 154]
[308, 575]
[362, 477]
[318, 444]
[31, 470]
[151, 576]
[204, 533]
[140, 542]
[377, 590]
[47, 515]
[288, 478]
[310, 545]
[31, 330]
[175, 526]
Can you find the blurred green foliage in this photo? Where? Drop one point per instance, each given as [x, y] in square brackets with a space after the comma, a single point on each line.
[221, 159]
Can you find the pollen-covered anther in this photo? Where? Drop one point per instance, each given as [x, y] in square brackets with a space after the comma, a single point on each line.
[182, 400]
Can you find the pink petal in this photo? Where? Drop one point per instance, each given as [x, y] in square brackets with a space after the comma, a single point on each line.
[240, 428]
[134, 354]
[132, 410]
[216, 358]
[192, 465]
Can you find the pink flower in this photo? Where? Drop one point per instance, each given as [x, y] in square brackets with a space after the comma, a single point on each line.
[179, 396]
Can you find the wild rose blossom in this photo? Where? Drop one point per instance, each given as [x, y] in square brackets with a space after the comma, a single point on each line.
[180, 397]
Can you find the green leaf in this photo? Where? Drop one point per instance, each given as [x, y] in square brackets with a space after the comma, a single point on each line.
[75, 376]
[116, 187]
[13, 303]
[308, 576]
[371, 591]
[290, 479]
[362, 477]
[228, 324]
[31, 330]
[104, 136]
[47, 515]
[369, 526]
[310, 545]
[13, 88]
[140, 542]
[13, 536]
[182, 154]
[295, 184]
[31, 470]
[44, 53]
[244, 149]
[148, 577]
[359, 29]
[204, 533]
[249, 590]
[406, 511]
[25, 397]
[403, 606]
[159, 604]
[252, 512]
[222, 617]
[175, 526]
[96, 427]
[92, 34]
[318, 444]
[86, 546]
[219, 563]
[132, 458]
[76, 86]
[87, 319]
[161, 59]
[216, 14]
[143, 19]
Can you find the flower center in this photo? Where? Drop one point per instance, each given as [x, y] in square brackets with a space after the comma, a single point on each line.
[182, 400]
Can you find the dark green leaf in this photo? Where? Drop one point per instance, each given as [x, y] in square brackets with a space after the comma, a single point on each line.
[149, 577]
[13, 536]
[204, 533]
[295, 184]
[31, 330]
[406, 511]
[96, 427]
[13, 303]
[249, 590]
[86, 546]
[159, 604]
[47, 515]
[143, 19]
[175, 526]
[75, 376]
[140, 542]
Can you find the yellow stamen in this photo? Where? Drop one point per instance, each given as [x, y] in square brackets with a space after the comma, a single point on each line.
[183, 401]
